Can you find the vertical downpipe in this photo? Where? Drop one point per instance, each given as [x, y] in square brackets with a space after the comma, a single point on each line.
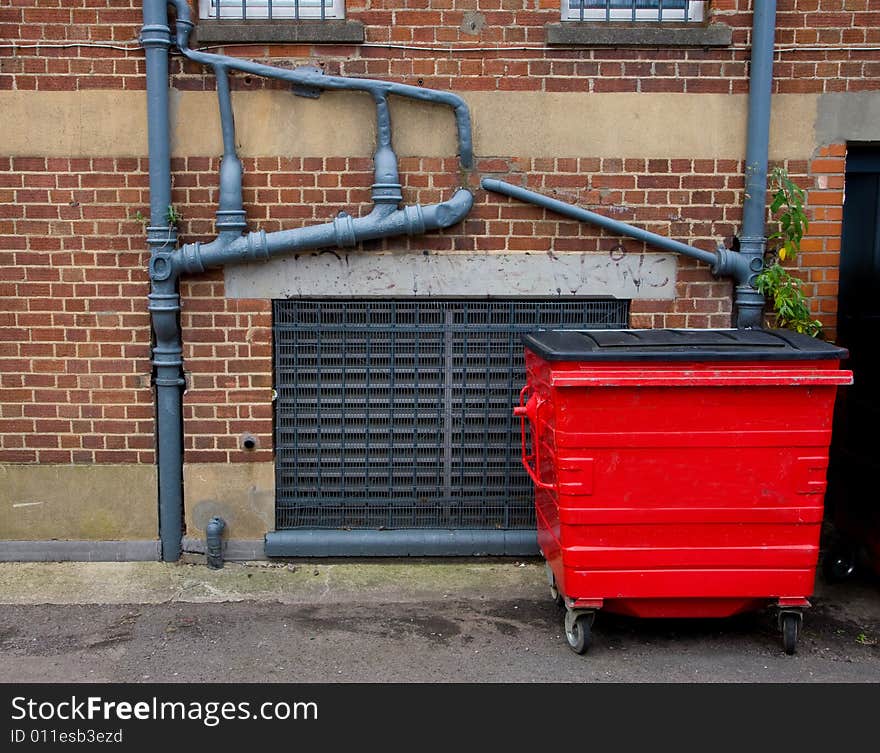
[753, 241]
[164, 300]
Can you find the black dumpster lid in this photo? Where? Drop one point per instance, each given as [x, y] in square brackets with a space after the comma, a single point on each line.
[679, 345]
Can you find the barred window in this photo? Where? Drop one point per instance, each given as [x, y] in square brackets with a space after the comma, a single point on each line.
[634, 10]
[243, 10]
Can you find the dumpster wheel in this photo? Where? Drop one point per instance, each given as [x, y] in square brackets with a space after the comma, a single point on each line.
[578, 630]
[791, 628]
[557, 597]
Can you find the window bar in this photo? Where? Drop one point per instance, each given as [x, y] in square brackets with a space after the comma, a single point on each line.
[634, 10]
[660, 11]
[582, 3]
[270, 10]
[243, 9]
[607, 10]
[296, 9]
[217, 9]
[322, 9]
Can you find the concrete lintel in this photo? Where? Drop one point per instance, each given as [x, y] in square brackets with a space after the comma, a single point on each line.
[279, 32]
[79, 551]
[637, 35]
[360, 274]
[848, 116]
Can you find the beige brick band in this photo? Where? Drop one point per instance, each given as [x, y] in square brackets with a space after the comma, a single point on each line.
[527, 124]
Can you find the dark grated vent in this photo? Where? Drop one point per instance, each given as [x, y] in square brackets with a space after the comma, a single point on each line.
[398, 414]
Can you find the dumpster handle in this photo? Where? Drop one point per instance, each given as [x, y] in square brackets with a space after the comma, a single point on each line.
[530, 410]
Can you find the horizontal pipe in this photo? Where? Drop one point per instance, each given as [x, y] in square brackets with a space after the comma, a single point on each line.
[614, 226]
[345, 231]
[401, 543]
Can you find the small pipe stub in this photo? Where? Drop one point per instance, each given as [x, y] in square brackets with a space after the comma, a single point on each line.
[214, 542]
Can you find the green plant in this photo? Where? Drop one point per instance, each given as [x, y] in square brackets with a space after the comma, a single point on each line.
[780, 287]
[789, 302]
[172, 216]
[788, 207]
[865, 640]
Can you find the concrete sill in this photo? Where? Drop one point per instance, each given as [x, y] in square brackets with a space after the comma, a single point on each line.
[279, 32]
[606, 34]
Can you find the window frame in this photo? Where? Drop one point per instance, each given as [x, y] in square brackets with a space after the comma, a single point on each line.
[697, 10]
[332, 11]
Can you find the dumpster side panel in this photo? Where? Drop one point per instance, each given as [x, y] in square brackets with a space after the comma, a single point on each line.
[682, 499]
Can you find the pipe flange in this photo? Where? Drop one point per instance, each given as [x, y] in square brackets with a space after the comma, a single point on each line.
[414, 218]
[160, 237]
[257, 246]
[163, 302]
[155, 35]
[387, 193]
[343, 226]
[231, 219]
[191, 257]
[168, 381]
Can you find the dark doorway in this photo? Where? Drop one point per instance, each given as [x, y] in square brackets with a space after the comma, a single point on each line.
[853, 499]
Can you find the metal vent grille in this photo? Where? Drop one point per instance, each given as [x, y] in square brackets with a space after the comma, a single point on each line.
[397, 414]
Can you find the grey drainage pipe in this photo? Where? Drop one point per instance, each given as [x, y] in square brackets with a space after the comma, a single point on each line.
[723, 261]
[753, 241]
[164, 301]
[167, 262]
[745, 265]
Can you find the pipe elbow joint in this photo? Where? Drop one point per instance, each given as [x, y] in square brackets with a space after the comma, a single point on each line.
[450, 212]
[183, 22]
[736, 265]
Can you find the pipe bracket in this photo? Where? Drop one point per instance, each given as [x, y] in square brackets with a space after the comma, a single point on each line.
[304, 90]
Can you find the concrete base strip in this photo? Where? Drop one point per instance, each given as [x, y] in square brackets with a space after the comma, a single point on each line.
[283, 582]
[79, 551]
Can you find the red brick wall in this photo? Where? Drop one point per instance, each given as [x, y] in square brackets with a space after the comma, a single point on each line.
[438, 22]
[74, 329]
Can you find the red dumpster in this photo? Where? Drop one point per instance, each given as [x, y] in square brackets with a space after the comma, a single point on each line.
[679, 473]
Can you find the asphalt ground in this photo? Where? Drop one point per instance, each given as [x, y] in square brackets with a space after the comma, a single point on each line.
[390, 621]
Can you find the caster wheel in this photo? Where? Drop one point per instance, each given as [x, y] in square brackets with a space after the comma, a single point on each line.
[791, 627]
[554, 589]
[578, 631]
